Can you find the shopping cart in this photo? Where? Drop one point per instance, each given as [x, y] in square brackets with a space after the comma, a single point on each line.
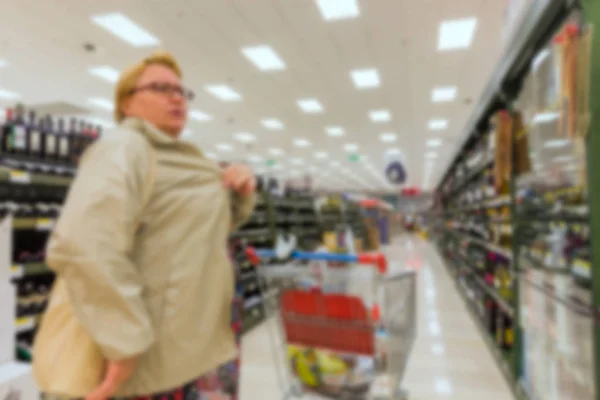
[348, 335]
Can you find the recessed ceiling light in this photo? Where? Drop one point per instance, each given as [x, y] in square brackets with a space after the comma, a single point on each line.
[334, 131]
[102, 103]
[393, 151]
[333, 10]
[545, 117]
[430, 156]
[434, 143]
[223, 92]
[380, 116]
[186, 133]
[224, 147]
[210, 155]
[297, 161]
[444, 94]
[272, 123]
[310, 106]
[321, 155]
[365, 78]
[126, 30]
[456, 34]
[7, 94]
[255, 158]
[199, 115]
[388, 137]
[275, 151]
[300, 142]
[351, 147]
[3, 63]
[438, 124]
[106, 73]
[556, 143]
[264, 58]
[244, 137]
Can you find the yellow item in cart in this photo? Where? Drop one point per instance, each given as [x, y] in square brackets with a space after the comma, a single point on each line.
[312, 365]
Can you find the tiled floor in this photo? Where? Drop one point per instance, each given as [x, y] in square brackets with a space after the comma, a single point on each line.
[449, 360]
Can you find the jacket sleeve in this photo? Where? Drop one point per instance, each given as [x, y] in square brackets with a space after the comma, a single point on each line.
[91, 244]
[241, 209]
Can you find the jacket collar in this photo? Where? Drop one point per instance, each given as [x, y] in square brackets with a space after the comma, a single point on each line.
[157, 136]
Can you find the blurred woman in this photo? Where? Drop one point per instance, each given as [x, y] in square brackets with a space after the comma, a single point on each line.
[140, 249]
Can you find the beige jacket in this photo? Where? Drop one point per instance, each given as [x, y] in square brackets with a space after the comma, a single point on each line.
[162, 289]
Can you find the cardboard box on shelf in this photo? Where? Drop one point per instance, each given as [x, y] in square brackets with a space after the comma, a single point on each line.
[16, 382]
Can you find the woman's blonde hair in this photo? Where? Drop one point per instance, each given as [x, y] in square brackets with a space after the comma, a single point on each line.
[130, 76]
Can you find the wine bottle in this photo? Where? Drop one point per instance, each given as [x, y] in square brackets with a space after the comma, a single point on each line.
[7, 133]
[34, 138]
[50, 142]
[19, 145]
[63, 143]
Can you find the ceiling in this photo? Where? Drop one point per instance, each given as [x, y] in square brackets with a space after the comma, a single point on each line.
[41, 43]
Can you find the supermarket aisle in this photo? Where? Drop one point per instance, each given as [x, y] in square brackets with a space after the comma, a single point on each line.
[449, 360]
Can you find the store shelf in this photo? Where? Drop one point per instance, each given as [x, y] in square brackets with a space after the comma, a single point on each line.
[26, 178]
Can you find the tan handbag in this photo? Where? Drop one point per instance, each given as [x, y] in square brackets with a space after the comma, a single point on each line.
[66, 362]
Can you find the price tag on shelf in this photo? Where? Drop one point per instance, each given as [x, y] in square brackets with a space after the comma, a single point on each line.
[44, 224]
[24, 324]
[582, 268]
[17, 176]
[16, 271]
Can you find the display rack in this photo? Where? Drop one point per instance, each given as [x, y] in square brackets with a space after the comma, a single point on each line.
[515, 208]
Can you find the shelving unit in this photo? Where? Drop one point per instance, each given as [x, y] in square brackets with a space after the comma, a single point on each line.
[515, 212]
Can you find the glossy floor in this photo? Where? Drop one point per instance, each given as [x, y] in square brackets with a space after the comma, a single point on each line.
[449, 360]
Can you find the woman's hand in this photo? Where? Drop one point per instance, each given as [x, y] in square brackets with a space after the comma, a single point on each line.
[239, 178]
[117, 372]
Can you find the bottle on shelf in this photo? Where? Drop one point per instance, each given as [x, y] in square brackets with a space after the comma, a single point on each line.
[64, 143]
[19, 138]
[50, 140]
[34, 138]
[7, 133]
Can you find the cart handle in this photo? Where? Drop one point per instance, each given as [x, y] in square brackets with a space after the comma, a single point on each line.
[376, 259]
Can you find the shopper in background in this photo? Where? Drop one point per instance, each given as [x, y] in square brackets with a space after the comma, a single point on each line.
[140, 254]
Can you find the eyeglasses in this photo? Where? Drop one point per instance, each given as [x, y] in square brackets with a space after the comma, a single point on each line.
[166, 89]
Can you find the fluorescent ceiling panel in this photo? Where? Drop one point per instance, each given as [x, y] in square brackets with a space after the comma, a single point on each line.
[394, 151]
[444, 94]
[264, 58]
[8, 95]
[272, 123]
[297, 161]
[224, 147]
[200, 115]
[223, 92]
[301, 142]
[434, 143]
[255, 158]
[365, 78]
[556, 143]
[388, 137]
[351, 147]
[3, 63]
[335, 164]
[245, 137]
[438, 124]
[321, 155]
[102, 103]
[380, 116]
[106, 73]
[126, 30]
[333, 10]
[275, 151]
[310, 106]
[545, 117]
[334, 131]
[210, 155]
[431, 156]
[456, 34]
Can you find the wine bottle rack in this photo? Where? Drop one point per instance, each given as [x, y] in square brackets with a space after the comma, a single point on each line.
[516, 212]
